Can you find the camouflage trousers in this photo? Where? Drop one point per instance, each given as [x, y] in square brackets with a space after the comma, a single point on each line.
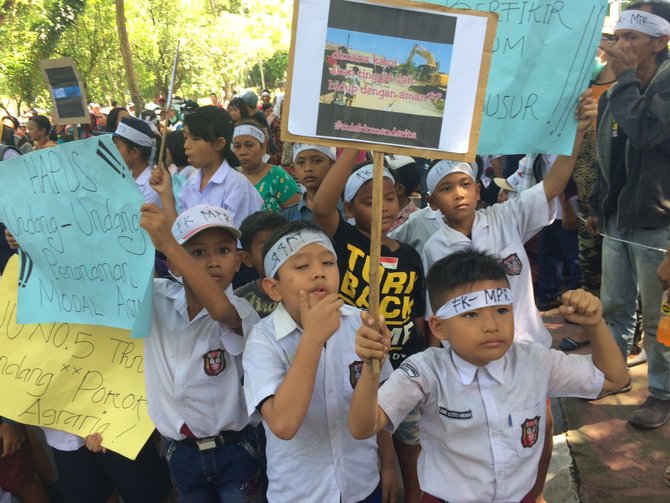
[590, 256]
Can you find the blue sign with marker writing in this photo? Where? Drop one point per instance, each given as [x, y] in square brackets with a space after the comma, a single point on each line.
[543, 57]
[75, 212]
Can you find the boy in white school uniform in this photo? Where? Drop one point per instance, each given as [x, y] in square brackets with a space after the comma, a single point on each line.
[502, 230]
[300, 369]
[483, 398]
[193, 359]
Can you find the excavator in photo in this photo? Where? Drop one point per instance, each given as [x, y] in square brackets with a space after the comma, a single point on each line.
[427, 75]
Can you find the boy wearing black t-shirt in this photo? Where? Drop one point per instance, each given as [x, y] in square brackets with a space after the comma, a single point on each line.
[402, 291]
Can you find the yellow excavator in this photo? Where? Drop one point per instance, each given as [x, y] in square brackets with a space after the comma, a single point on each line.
[427, 74]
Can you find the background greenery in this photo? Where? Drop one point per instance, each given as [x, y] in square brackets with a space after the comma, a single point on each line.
[223, 43]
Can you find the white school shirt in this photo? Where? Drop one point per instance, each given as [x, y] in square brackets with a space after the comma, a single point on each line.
[193, 369]
[482, 429]
[323, 462]
[418, 228]
[149, 194]
[501, 230]
[228, 188]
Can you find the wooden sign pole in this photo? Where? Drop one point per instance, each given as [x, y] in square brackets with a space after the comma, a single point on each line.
[376, 242]
[161, 152]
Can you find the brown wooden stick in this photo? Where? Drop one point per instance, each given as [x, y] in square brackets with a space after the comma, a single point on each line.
[376, 242]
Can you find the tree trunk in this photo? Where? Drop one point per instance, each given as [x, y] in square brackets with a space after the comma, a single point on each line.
[127, 57]
[4, 10]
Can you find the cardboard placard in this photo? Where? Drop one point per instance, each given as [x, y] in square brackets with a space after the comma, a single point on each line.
[75, 211]
[68, 94]
[397, 77]
[77, 378]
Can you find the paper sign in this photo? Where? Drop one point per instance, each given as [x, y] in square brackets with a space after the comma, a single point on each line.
[68, 93]
[75, 211]
[543, 57]
[388, 75]
[77, 378]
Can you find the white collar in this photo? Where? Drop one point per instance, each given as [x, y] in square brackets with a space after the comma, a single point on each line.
[180, 304]
[467, 371]
[143, 178]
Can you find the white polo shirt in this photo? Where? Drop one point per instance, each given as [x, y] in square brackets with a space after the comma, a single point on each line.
[323, 462]
[482, 429]
[418, 228]
[501, 230]
[193, 369]
[148, 193]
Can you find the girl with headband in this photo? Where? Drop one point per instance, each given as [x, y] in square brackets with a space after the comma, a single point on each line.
[276, 187]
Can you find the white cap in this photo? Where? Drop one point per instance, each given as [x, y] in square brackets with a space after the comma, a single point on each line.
[510, 183]
[201, 217]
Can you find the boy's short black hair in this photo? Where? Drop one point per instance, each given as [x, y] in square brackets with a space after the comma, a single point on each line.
[258, 222]
[458, 269]
[295, 226]
[409, 176]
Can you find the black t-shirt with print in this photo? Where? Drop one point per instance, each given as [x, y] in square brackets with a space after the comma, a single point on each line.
[402, 292]
[258, 299]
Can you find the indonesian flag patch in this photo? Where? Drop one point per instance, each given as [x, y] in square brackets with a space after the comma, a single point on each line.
[389, 262]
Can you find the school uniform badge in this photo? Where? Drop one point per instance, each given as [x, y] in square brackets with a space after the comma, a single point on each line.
[512, 265]
[215, 362]
[355, 370]
[530, 432]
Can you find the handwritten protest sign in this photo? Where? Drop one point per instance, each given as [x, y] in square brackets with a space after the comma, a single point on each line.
[77, 378]
[74, 209]
[392, 76]
[543, 57]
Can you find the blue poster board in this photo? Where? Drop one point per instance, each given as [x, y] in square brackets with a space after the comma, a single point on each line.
[75, 212]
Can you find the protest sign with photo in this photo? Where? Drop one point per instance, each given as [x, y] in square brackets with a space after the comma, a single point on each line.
[396, 77]
[68, 94]
[75, 212]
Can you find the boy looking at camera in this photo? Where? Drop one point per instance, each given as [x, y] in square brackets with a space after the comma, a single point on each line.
[300, 371]
[482, 399]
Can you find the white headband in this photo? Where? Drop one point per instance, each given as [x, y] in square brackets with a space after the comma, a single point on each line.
[474, 300]
[358, 178]
[445, 168]
[329, 152]
[289, 245]
[132, 134]
[247, 129]
[644, 22]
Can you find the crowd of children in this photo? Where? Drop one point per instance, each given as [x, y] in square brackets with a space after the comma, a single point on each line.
[259, 365]
[215, 373]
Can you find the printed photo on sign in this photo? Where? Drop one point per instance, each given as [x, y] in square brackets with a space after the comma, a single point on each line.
[410, 77]
[375, 72]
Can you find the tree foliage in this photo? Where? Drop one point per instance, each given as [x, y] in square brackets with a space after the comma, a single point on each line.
[222, 42]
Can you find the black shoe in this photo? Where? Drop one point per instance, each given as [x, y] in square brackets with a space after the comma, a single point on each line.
[653, 413]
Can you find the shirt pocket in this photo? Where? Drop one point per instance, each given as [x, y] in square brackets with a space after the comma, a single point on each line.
[528, 427]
